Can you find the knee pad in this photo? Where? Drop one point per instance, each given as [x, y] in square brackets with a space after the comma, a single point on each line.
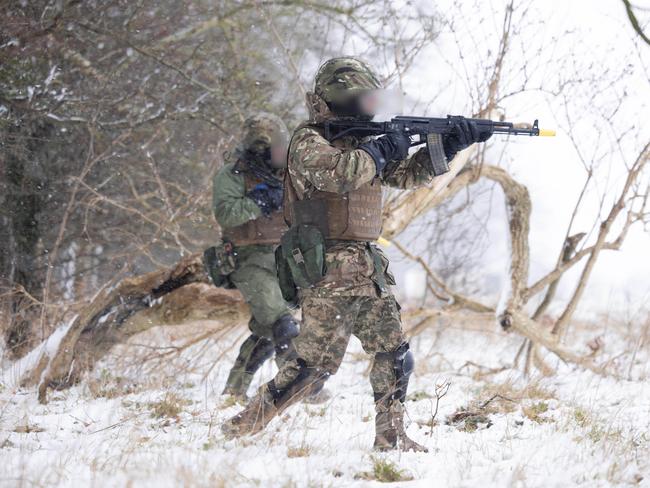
[262, 350]
[403, 365]
[284, 329]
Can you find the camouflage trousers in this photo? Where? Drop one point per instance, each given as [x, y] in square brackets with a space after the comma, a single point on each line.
[327, 325]
[255, 277]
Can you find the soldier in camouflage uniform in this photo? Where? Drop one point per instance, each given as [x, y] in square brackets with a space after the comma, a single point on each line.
[338, 185]
[247, 200]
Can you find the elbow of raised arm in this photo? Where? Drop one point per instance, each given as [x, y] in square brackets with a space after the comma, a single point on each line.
[349, 171]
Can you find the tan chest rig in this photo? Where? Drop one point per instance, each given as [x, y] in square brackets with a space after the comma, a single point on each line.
[354, 216]
[263, 231]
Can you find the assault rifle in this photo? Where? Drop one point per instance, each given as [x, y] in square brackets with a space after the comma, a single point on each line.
[421, 130]
[266, 175]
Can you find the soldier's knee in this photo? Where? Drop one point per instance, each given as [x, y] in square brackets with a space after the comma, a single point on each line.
[403, 364]
[285, 329]
[404, 360]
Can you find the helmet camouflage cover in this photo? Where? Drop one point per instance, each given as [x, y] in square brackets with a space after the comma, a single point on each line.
[260, 132]
[340, 78]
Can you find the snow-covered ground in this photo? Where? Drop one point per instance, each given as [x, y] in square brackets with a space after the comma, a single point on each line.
[157, 424]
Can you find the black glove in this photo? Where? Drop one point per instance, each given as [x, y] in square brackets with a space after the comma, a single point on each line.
[266, 197]
[394, 146]
[464, 134]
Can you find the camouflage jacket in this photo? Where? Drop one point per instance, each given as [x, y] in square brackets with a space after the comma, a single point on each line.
[229, 201]
[316, 164]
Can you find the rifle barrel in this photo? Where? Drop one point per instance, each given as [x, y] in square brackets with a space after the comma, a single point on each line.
[422, 126]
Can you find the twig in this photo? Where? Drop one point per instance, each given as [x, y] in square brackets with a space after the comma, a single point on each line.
[494, 397]
[441, 391]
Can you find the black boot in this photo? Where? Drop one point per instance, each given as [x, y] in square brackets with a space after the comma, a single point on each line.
[252, 354]
[285, 329]
[271, 401]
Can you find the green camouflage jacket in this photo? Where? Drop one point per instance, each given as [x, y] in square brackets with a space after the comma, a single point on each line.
[229, 201]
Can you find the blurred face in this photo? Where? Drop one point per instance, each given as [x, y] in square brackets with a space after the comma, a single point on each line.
[279, 155]
[369, 102]
[279, 148]
[365, 104]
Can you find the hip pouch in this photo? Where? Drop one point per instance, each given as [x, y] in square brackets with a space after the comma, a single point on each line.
[381, 277]
[220, 261]
[301, 256]
[285, 280]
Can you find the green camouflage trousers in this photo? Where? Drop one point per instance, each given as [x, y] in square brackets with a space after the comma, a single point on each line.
[256, 278]
[326, 328]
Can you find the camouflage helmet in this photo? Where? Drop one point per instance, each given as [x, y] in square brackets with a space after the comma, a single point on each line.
[260, 132]
[340, 78]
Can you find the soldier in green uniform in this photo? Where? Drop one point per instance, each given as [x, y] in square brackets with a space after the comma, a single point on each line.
[247, 201]
[335, 187]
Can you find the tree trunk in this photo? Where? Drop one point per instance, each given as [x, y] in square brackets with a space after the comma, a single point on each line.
[22, 202]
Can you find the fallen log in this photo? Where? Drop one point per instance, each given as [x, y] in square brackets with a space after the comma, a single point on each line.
[110, 318]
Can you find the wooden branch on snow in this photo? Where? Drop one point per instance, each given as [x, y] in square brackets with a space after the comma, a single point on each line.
[521, 323]
[105, 322]
[518, 208]
[532, 355]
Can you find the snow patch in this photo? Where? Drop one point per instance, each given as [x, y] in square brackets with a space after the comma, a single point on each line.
[15, 372]
[591, 430]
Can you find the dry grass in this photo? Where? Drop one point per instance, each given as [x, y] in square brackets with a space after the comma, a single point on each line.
[429, 423]
[595, 429]
[581, 417]
[300, 451]
[536, 411]
[231, 400]
[317, 413]
[186, 476]
[384, 471]
[168, 407]
[28, 428]
[109, 386]
[506, 397]
[502, 398]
